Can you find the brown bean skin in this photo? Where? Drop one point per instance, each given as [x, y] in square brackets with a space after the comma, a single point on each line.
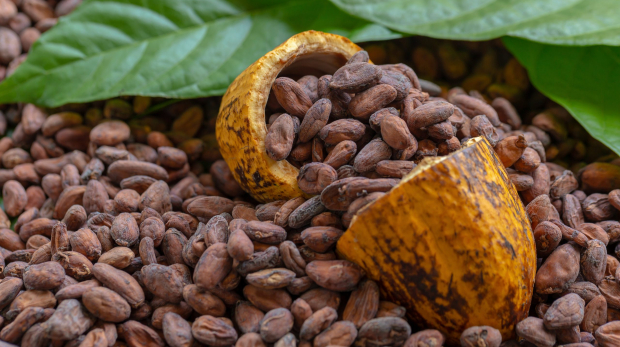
[213, 266]
[478, 335]
[250, 340]
[203, 302]
[607, 334]
[320, 239]
[14, 197]
[430, 337]
[292, 258]
[95, 196]
[341, 130]
[291, 96]
[314, 177]
[337, 275]
[548, 237]
[595, 314]
[341, 154]
[265, 232]
[368, 157]
[137, 334]
[110, 133]
[164, 282]
[239, 246]
[106, 304]
[177, 331]
[305, 212]
[355, 77]
[317, 322]
[271, 278]
[124, 230]
[565, 312]
[247, 317]
[24, 320]
[120, 282]
[363, 304]
[364, 104]
[540, 209]
[473, 107]
[429, 114]
[395, 132]
[275, 324]
[309, 84]
[384, 331]
[213, 331]
[559, 270]
[267, 299]
[593, 261]
[315, 119]
[45, 276]
[280, 137]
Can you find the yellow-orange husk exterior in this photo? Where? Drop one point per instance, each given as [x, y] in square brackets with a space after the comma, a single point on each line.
[452, 243]
[241, 128]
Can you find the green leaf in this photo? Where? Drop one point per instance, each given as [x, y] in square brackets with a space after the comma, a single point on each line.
[582, 79]
[570, 22]
[175, 49]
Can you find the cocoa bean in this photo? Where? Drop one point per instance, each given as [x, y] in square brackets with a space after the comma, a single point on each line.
[355, 77]
[14, 197]
[76, 291]
[363, 304]
[124, 230]
[480, 335]
[120, 282]
[369, 101]
[177, 331]
[27, 318]
[213, 331]
[384, 331]
[164, 282]
[342, 130]
[559, 270]
[106, 304]
[69, 321]
[137, 334]
[291, 96]
[213, 266]
[44, 276]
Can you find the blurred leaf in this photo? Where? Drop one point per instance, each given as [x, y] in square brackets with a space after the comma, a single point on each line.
[175, 49]
[570, 22]
[582, 79]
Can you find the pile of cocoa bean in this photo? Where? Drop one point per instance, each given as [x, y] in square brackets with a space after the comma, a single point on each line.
[487, 70]
[119, 238]
[21, 24]
[115, 235]
[355, 134]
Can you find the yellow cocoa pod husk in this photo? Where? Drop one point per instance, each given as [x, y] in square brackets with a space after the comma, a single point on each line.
[241, 127]
[451, 243]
